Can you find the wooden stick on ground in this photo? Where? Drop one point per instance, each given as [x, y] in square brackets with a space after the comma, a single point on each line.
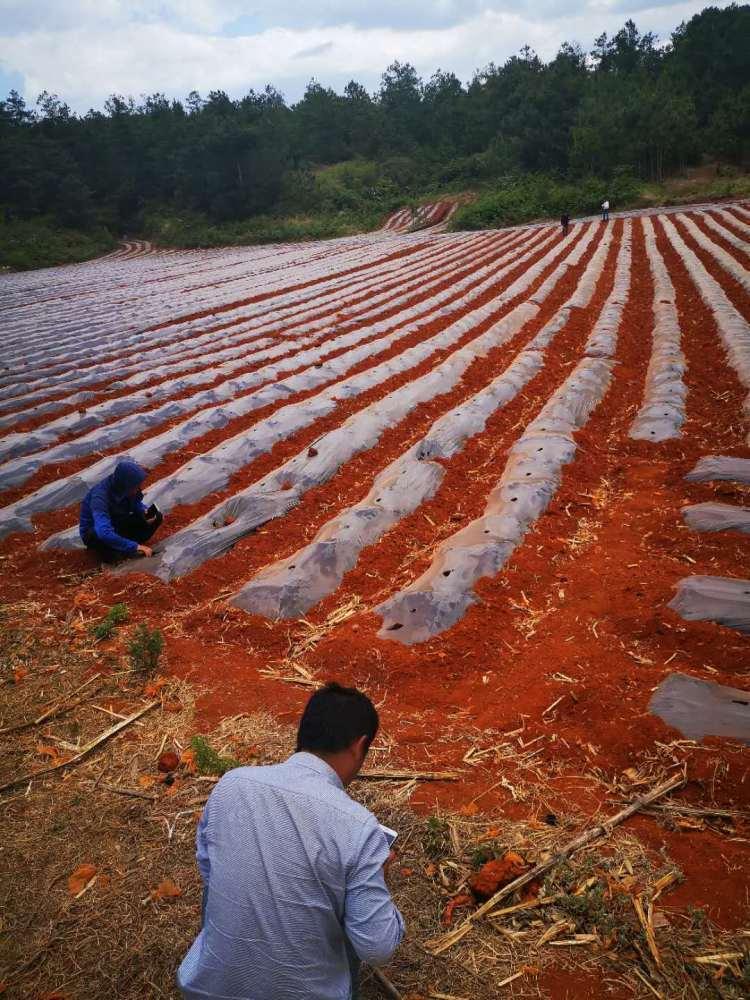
[135, 793]
[87, 749]
[56, 709]
[678, 807]
[439, 945]
[375, 774]
[386, 985]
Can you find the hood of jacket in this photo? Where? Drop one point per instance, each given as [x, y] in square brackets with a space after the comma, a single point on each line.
[127, 476]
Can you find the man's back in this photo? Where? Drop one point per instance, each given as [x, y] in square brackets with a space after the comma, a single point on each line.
[291, 865]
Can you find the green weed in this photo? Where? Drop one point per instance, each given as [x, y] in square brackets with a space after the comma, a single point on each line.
[30, 243]
[208, 761]
[145, 649]
[436, 837]
[105, 628]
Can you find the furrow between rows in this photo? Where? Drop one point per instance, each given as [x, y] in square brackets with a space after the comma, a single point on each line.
[440, 597]
[418, 307]
[228, 455]
[290, 587]
[221, 527]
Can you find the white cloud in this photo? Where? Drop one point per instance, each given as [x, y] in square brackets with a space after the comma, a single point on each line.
[87, 49]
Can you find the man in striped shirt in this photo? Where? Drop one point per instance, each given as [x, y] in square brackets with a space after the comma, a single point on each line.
[293, 870]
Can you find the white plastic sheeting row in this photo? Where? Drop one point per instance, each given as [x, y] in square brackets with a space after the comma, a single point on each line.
[290, 587]
[729, 237]
[733, 328]
[213, 469]
[441, 595]
[406, 219]
[219, 529]
[717, 517]
[730, 219]
[662, 413]
[18, 470]
[720, 467]
[725, 259]
[719, 599]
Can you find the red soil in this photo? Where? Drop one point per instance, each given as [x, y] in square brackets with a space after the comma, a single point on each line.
[50, 473]
[578, 617]
[292, 444]
[736, 294]
[104, 394]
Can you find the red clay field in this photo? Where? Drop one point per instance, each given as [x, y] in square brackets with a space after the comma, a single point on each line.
[495, 478]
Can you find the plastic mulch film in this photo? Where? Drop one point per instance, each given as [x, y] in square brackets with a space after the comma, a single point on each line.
[732, 220]
[725, 259]
[734, 329]
[125, 317]
[662, 412]
[291, 586]
[182, 346]
[711, 223]
[154, 360]
[717, 517]
[717, 467]
[719, 599]
[219, 529]
[291, 354]
[441, 595]
[213, 469]
[701, 708]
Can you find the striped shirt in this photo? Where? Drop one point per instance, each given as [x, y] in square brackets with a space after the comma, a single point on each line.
[292, 868]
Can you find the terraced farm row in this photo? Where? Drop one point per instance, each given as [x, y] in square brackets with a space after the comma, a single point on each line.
[481, 446]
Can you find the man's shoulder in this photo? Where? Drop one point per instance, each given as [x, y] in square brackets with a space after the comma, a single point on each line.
[296, 782]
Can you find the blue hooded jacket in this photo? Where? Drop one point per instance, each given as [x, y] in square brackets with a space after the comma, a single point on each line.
[109, 499]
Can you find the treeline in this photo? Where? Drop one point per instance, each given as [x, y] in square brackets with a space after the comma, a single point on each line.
[631, 107]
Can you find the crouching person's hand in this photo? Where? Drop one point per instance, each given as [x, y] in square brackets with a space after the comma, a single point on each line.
[143, 550]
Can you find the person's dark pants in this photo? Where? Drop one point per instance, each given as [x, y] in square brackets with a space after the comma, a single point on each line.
[605, 215]
[133, 526]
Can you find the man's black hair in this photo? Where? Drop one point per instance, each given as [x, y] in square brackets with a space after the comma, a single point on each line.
[334, 718]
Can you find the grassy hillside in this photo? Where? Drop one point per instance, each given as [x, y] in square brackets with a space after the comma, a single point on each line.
[40, 242]
[339, 200]
[356, 197]
[533, 197]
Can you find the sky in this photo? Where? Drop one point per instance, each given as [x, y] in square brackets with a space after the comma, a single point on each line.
[85, 50]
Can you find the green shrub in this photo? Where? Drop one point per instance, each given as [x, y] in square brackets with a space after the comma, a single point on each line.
[105, 628]
[145, 648]
[436, 838]
[208, 761]
[41, 242]
[518, 199]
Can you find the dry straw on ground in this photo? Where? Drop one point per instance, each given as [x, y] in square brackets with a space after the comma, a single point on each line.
[101, 897]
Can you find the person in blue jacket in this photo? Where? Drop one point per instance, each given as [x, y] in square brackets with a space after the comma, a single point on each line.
[114, 521]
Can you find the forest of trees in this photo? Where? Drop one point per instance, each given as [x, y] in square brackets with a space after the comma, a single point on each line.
[633, 106]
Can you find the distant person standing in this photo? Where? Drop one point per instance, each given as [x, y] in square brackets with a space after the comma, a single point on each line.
[565, 223]
[605, 210]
